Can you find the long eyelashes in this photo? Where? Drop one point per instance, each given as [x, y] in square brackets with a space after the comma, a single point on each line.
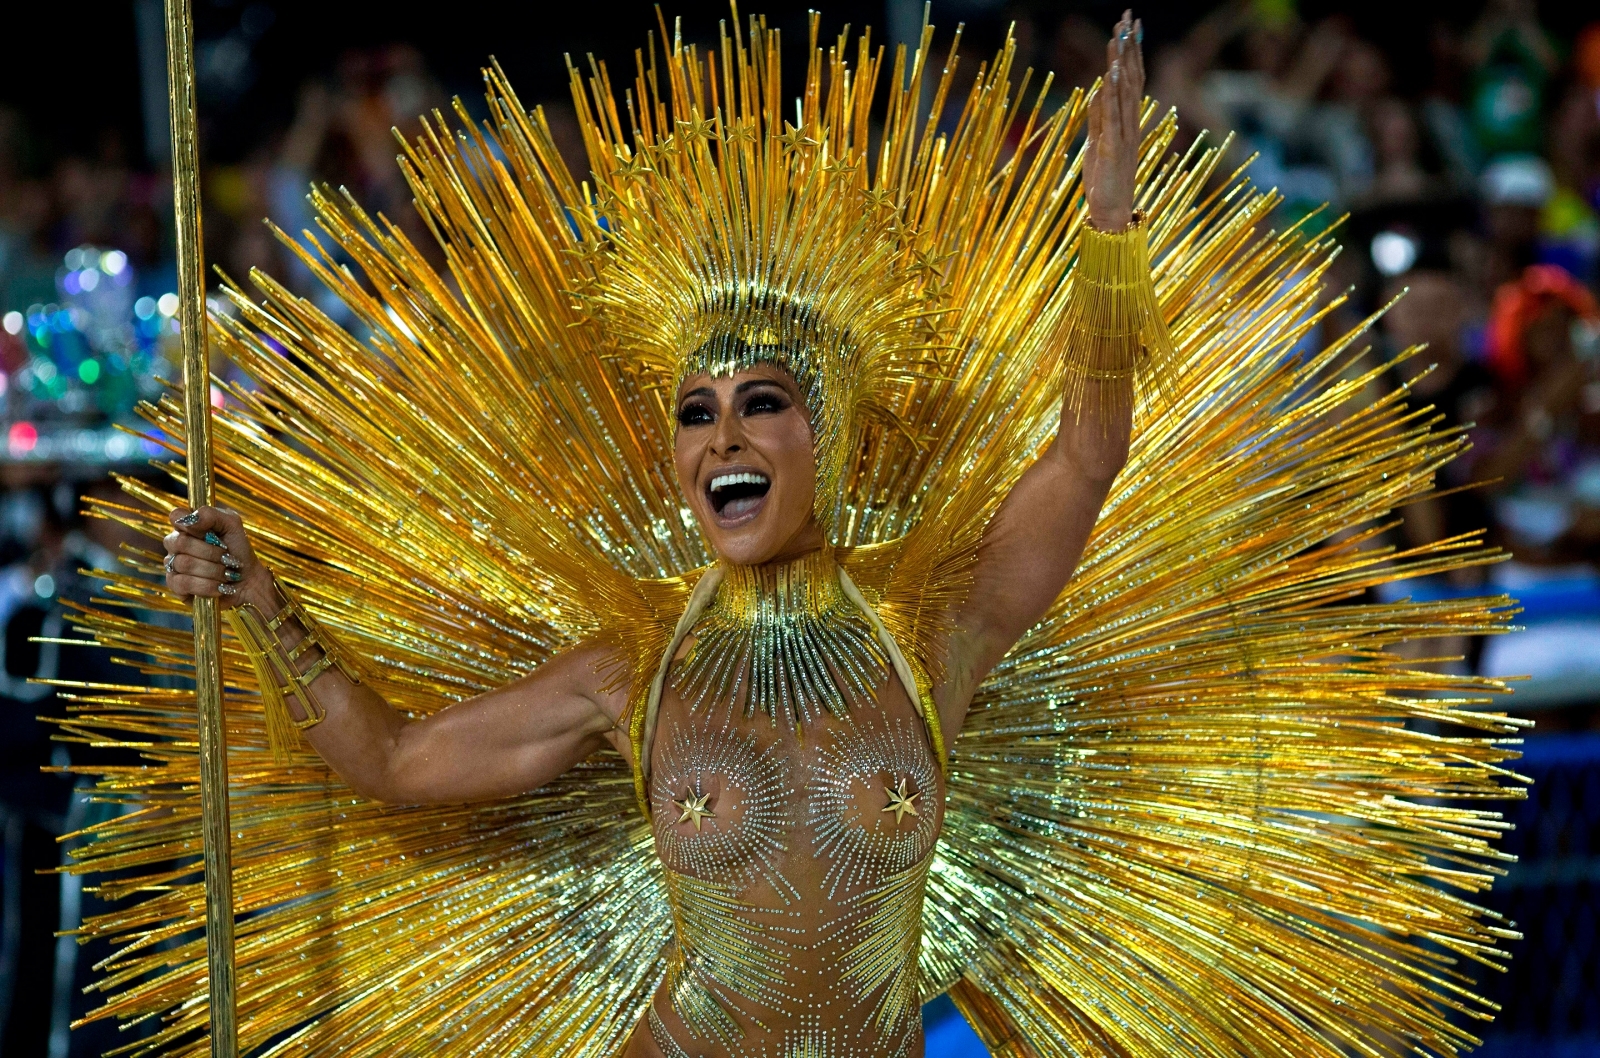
[761, 403]
[698, 414]
[695, 415]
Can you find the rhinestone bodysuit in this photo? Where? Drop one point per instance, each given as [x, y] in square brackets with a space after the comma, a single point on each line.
[796, 849]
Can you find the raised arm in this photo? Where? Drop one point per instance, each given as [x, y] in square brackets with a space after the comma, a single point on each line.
[1032, 546]
[507, 741]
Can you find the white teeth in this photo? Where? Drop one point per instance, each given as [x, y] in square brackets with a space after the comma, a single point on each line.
[722, 481]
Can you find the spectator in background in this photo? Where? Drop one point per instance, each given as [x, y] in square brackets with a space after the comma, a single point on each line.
[1514, 61]
[43, 545]
[1545, 450]
[27, 267]
[1514, 190]
[1268, 102]
[1443, 112]
[1337, 129]
[1436, 313]
[1569, 226]
[1313, 103]
[342, 136]
[1397, 144]
[91, 194]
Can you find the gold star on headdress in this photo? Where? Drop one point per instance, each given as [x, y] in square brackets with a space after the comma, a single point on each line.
[795, 138]
[879, 198]
[899, 803]
[694, 809]
[697, 127]
[929, 263]
[630, 168]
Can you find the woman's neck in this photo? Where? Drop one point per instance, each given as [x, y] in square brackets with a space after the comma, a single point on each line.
[807, 539]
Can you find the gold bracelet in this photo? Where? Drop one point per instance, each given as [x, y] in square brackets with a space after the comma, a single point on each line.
[277, 667]
[1135, 220]
[1112, 327]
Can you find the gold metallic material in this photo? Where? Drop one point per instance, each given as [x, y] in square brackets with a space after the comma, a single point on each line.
[694, 809]
[1203, 807]
[277, 667]
[784, 639]
[1113, 326]
[900, 802]
[196, 430]
[726, 955]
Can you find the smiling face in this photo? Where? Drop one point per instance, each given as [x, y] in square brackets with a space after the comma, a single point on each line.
[747, 466]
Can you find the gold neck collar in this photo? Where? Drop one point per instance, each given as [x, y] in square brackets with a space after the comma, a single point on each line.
[807, 586]
[783, 638]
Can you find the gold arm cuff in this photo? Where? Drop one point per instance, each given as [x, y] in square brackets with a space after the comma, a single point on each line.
[1112, 325]
[278, 671]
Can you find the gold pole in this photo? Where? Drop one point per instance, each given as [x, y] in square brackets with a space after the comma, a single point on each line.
[197, 429]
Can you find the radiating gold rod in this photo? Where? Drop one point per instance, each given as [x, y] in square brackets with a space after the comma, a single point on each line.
[197, 429]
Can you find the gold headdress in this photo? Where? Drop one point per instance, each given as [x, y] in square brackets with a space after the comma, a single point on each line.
[725, 250]
[723, 237]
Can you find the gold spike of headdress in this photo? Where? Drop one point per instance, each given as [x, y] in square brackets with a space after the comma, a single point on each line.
[728, 251]
[1201, 809]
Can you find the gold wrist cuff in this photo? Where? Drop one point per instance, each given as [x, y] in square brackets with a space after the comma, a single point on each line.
[1135, 220]
[277, 667]
[1112, 327]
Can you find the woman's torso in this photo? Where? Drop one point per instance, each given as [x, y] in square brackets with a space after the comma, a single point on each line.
[795, 861]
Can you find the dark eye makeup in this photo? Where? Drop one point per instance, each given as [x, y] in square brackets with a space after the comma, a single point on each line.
[764, 401]
[767, 400]
[696, 413]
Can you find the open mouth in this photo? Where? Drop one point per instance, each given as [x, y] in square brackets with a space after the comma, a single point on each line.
[736, 497]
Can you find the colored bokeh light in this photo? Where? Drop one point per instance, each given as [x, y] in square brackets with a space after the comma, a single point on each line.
[22, 437]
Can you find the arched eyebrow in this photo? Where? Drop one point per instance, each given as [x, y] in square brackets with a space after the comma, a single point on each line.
[743, 387]
[757, 382]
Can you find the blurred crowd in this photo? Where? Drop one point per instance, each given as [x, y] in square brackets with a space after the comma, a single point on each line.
[1479, 194]
[1467, 164]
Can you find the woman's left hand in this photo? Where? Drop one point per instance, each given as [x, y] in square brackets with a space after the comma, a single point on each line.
[1112, 156]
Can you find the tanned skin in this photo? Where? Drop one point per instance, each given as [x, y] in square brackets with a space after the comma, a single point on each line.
[520, 736]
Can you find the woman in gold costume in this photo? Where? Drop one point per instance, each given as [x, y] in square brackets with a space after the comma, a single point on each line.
[745, 482]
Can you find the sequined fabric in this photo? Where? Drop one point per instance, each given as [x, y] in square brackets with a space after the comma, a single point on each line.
[796, 861]
[784, 640]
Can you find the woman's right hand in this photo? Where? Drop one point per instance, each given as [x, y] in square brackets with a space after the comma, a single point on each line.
[209, 553]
